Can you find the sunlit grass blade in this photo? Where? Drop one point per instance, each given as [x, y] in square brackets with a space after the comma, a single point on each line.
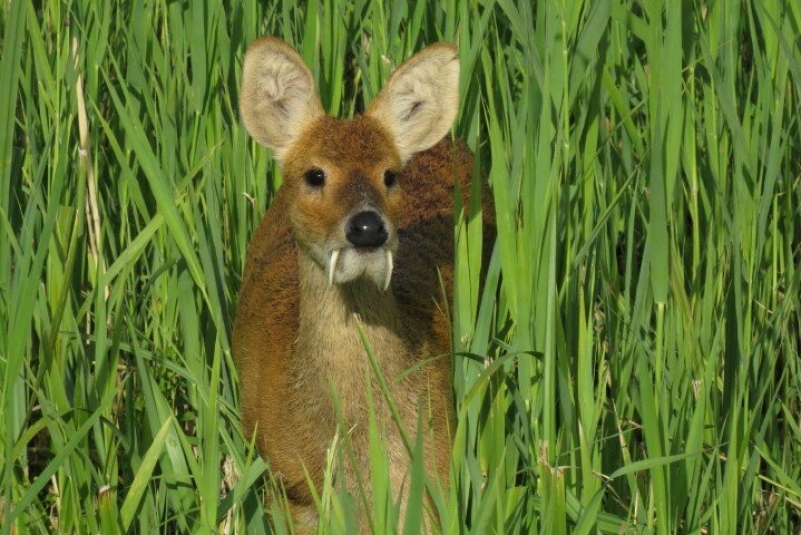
[139, 484]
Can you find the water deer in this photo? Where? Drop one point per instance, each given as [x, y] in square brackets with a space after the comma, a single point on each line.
[358, 241]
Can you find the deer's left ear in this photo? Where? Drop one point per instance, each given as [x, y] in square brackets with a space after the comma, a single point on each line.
[420, 100]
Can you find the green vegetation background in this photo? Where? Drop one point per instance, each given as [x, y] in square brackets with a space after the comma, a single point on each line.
[632, 365]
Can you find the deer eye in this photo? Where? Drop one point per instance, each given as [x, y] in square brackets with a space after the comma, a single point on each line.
[314, 178]
[390, 178]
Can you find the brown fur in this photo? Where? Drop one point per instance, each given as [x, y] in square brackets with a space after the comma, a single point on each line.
[296, 338]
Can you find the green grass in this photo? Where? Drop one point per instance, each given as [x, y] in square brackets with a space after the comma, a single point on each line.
[631, 365]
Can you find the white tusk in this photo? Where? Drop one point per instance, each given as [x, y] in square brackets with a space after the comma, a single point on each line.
[389, 269]
[332, 266]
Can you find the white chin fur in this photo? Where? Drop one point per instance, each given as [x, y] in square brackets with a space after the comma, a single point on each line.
[345, 265]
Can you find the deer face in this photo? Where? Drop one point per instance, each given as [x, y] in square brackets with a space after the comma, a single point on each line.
[345, 195]
[346, 198]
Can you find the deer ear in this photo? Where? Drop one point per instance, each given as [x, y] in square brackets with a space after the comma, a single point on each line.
[278, 96]
[419, 101]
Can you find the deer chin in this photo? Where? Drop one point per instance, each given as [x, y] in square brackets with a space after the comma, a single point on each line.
[350, 263]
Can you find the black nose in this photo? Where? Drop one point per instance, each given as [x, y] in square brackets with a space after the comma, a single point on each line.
[366, 229]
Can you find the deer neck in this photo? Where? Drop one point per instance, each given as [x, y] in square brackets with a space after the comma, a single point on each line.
[329, 353]
[331, 316]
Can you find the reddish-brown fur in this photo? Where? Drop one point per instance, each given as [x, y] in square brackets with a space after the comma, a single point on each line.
[296, 338]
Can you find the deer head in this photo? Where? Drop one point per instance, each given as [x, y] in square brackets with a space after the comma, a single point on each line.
[345, 177]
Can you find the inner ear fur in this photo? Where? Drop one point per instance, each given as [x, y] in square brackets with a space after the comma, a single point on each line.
[278, 97]
[420, 100]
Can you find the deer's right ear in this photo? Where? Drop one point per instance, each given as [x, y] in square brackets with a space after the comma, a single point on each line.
[278, 96]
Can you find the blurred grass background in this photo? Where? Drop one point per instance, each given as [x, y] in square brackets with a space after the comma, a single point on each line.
[631, 366]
